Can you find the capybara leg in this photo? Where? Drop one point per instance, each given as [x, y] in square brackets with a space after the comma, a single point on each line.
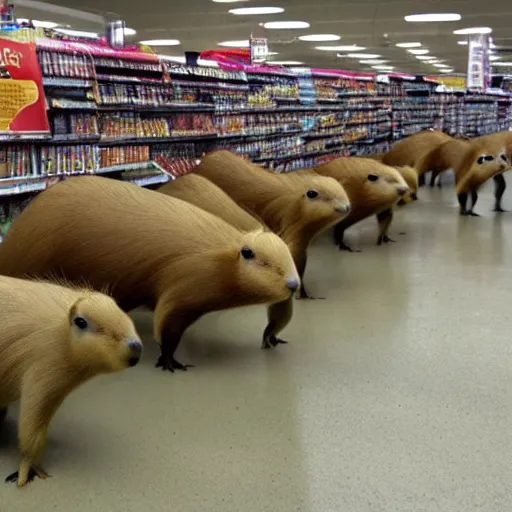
[170, 337]
[301, 262]
[384, 219]
[433, 177]
[36, 412]
[279, 316]
[463, 200]
[499, 189]
[339, 235]
[421, 180]
[474, 199]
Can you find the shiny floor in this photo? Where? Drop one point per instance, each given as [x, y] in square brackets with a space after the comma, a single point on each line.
[394, 394]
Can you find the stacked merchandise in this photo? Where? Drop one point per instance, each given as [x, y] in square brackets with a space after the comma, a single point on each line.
[128, 115]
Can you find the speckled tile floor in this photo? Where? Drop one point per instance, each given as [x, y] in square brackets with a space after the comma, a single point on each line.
[394, 394]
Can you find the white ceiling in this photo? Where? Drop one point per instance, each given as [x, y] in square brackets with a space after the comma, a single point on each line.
[374, 24]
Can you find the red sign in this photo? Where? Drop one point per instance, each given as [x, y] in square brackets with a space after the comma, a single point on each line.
[22, 99]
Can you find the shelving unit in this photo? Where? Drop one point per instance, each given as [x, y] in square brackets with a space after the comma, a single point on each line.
[138, 117]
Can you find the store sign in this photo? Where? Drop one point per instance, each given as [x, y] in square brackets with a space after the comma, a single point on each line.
[259, 50]
[22, 99]
[478, 63]
[455, 82]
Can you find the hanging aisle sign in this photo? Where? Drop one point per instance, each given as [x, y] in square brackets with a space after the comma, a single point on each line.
[22, 99]
[259, 50]
[478, 63]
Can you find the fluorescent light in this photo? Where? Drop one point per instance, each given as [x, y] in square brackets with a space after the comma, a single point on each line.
[463, 43]
[363, 55]
[473, 30]
[273, 53]
[373, 61]
[129, 31]
[383, 68]
[440, 66]
[38, 24]
[345, 48]
[243, 43]
[77, 33]
[285, 24]
[286, 62]
[256, 10]
[504, 64]
[433, 17]
[161, 42]
[174, 58]
[408, 45]
[418, 52]
[446, 70]
[228, 1]
[494, 57]
[425, 57]
[320, 37]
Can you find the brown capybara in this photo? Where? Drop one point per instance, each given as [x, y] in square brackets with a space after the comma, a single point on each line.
[148, 250]
[373, 189]
[295, 207]
[53, 339]
[473, 164]
[206, 195]
[500, 139]
[411, 150]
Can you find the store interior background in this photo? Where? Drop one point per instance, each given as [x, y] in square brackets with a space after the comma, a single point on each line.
[394, 392]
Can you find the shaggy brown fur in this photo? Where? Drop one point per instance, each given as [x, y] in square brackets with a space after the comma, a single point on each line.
[296, 206]
[206, 195]
[150, 250]
[373, 189]
[54, 339]
[472, 162]
[502, 139]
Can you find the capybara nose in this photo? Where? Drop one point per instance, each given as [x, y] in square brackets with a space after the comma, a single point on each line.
[292, 284]
[414, 196]
[343, 209]
[135, 346]
[401, 202]
[133, 361]
[402, 190]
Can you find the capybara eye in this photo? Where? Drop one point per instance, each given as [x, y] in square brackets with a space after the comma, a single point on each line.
[504, 157]
[247, 253]
[372, 177]
[81, 323]
[312, 194]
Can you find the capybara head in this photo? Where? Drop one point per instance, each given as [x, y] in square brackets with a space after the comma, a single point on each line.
[323, 200]
[487, 164]
[410, 175]
[103, 338]
[384, 184]
[266, 268]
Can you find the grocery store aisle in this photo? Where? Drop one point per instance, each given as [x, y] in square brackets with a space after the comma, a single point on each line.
[393, 395]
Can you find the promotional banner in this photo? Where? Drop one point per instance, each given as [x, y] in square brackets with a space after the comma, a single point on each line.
[22, 100]
[259, 50]
[478, 63]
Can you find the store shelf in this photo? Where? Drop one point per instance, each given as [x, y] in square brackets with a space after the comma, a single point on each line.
[152, 180]
[137, 166]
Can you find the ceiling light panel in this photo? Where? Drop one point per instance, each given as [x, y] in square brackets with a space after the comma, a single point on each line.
[408, 45]
[286, 25]
[77, 33]
[342, 48]
[161, 42]
[472, 31]
[373, 61]
[38, 23]
[418, 52]
[383, 68]
[285, 62]
[320, 37]
[422, 18]
[129, 31]
[425, 57]
[247, 11]
[363, 55]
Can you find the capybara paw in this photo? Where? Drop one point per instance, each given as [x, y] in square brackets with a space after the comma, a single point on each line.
[499, 209]
[345, 247]
[272, 341]
[33, 472]
[385, 240]
[473, 214]
[170, 364]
